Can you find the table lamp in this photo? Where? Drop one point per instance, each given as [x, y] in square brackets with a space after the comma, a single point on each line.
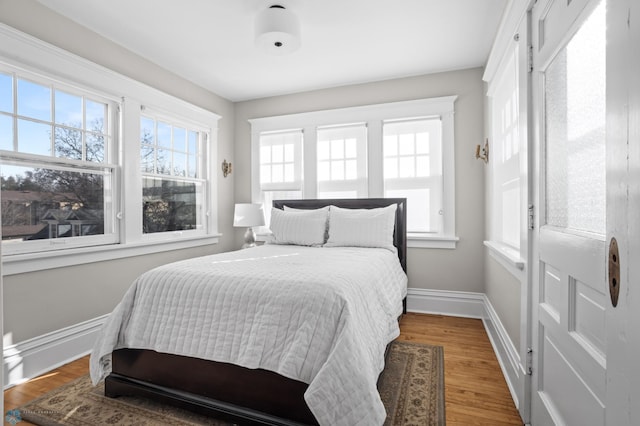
[249, 215]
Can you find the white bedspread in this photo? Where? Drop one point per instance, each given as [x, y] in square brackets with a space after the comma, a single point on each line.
[319, 315]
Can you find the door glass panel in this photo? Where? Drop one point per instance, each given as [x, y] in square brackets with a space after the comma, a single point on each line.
[575, 130]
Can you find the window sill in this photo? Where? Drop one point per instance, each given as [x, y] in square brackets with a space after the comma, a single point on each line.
[429, 241]
[507, 256]
[23, 263]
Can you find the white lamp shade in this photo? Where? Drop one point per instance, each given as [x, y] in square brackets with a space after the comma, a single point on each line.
[247, 214]
[277, 31]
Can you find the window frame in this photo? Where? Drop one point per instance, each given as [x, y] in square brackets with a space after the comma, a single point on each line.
[357, 184]
[296, 161]
[429, 182]
[107, 168]
[373, 115]
[26, 54]
[511, 258]
[505, 164]
[202, 174]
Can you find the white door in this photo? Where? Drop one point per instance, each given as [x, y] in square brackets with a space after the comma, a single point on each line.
[570, 293]
[623, 210]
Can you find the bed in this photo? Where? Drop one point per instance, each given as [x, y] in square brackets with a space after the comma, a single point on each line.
[251, 382]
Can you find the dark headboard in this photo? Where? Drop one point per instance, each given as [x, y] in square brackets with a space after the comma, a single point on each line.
[400, 232]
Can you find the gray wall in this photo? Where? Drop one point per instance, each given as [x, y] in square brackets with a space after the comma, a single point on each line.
[40, 302]
[461, 269]
[503, 291]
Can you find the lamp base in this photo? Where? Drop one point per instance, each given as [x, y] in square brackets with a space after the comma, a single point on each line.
[249, 238]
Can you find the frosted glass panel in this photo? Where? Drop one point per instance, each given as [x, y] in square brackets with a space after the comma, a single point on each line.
[575, 130]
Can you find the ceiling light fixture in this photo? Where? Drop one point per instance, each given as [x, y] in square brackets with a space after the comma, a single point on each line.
[277, 30]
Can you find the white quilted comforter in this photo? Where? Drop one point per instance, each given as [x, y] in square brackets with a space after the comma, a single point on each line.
[319, 315]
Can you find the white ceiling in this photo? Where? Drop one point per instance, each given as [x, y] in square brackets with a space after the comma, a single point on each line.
[211, 42]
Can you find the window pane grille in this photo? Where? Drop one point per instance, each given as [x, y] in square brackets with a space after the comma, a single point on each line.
[75, 129]
[342, 161]
[281, 161]
[167, 149]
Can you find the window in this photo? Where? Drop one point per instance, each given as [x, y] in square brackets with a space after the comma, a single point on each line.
[507, 176]
[342, 161]
[57, 169]
[75, 171]
[173, 190]
[402, 149]
[505, 164]
[280, 167]
[413, 170]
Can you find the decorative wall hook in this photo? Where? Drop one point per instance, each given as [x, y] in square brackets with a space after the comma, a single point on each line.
[226, 168]
[482, 153]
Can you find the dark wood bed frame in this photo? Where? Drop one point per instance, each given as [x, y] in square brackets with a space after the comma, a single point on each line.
[227, 391]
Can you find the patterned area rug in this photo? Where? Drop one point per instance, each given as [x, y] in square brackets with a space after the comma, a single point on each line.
[411, 387]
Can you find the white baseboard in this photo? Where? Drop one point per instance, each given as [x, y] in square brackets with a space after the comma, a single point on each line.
[33, 357]
[506, 352]
[443, 302]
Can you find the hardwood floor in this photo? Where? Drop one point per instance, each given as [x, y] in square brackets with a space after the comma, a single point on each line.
[475, 390]
[32, 389]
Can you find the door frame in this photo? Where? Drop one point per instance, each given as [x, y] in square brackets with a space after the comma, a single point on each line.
[515, 360]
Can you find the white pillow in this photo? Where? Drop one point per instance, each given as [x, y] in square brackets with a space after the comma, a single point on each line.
[362, 227]
[293, 209]
[324, 209]
[303, 228]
